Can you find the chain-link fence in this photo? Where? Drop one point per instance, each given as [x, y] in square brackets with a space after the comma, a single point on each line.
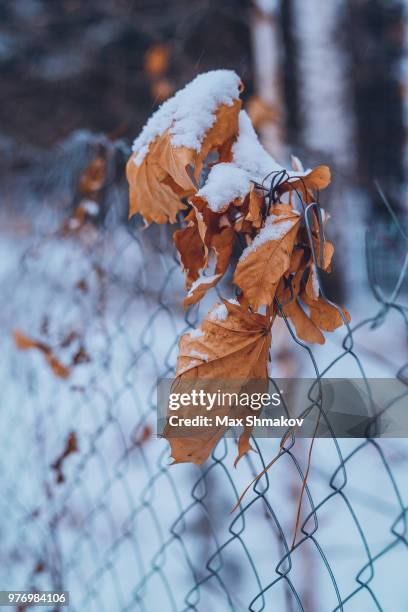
[89, 502]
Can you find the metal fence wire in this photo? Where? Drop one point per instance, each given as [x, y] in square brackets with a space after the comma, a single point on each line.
[89, 502]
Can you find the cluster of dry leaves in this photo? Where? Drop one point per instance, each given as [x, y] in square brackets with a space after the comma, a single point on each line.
[276, 274]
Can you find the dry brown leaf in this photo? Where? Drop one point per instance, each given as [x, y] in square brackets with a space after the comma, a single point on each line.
[312, 284]
[305, 328]
[317, 179]
[221, 243]
[328, 252]
[156, 60]
[256, 202]
[193, 254]
[23, 342]
[260, 269]
[244, 445]
[158, 183]
[93, 178]
[236, 344]
[142, 436]
[161, 179]
[231, 343]
[71, 446]
[296, 259]
[324, 315]
[199, 288]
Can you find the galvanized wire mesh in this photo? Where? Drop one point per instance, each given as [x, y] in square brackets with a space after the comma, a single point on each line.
[116, 525]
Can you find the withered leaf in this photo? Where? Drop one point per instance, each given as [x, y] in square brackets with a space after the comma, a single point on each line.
[231, 343]
[324, 315]
[157, 185]
[159, 182]
[254, 214]
[315, 180]
[305, 328]
[24, 342]
[222, 245]
[199, 288]
[193, 254]
[263, 264]
[93, 177]
[71, 446]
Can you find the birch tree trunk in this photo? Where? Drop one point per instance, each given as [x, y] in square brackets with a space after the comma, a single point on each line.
[328, 127]
[322, 69]
[266, 51]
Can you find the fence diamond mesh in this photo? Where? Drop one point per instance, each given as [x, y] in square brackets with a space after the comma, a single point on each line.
[89, 501]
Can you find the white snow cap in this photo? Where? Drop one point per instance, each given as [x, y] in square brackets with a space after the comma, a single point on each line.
[272, 230]
[249, 154]
[225, 183]
[190, 113]
[251, 162]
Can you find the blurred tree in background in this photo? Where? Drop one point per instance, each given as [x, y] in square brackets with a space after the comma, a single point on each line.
[323, 80]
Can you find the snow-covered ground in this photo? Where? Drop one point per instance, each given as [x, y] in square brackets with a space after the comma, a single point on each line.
[125, 531]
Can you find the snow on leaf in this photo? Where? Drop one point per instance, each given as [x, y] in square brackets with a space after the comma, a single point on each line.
[231, 342]
[263, 263]
[225, 183]
[200, 118]
[200, 287]
[248, 153]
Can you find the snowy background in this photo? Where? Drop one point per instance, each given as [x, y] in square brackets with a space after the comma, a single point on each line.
[121, 530]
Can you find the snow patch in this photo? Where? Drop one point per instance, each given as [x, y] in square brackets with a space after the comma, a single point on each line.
[190, 113]
[225, 183]
[234, 301]
[202, 280]
[90, 207]
[272, 230]
[199, 355]
[218, 313]
[315, 281]
[249, 154]
[196, 333]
